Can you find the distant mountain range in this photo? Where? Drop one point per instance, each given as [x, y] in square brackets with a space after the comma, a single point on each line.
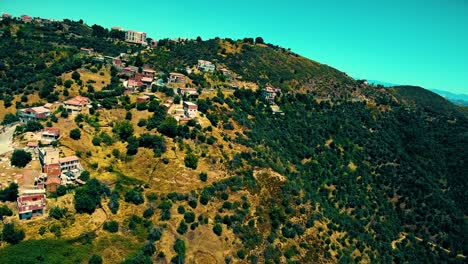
[458, 99]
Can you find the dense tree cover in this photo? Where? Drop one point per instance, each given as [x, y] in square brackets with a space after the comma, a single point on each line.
[407, 154]
[9, 119]
[31, 59]
[20, 158]
[372, 172]
[88, 197]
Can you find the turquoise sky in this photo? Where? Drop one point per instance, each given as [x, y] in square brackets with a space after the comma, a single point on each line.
[406, 42]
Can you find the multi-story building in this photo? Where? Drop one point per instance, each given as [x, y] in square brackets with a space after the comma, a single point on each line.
[269, 93]
[190, 109]
[50, 134]
[77, 104]
[33, 113]
[175, 77]
[31, 205]
[206, 66]
[48, 156]
[135, 37]
[70, 163]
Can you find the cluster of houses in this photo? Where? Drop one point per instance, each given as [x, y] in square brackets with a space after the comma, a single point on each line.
[55, 171]
[75, 105]
[28, 19]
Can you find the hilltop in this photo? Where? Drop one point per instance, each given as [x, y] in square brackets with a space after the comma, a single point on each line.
[286, 160]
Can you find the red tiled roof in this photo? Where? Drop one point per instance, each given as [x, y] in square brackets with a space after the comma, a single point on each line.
[53, 180]
[53, 130]
[28, 203]
[78, 100]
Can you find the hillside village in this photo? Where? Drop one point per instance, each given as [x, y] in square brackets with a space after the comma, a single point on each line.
[134, 150]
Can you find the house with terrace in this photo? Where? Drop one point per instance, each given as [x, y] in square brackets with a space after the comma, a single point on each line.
[70, 163]
[50, 134]
[206, 66]
[175, 77]
[33, 113]
[269, 93]
[77, 104]
[149, 73]
[190, 109]
[31, 205]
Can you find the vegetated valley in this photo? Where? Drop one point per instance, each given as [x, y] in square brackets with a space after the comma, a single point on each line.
[329, 170]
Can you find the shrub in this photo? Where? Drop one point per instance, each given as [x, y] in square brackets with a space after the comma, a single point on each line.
[149, 212]
[61, 190]
[10, 193]
[20, 158]
[12, 235]
[57, 212]
[111, 226]
[5, 211]
[134, 196]
[75, 134]
[191, 161]
[84, 176]
[149, 249]
[95, 259]
[182, 229]
[217, 229]
[203, 176]
[189, 217]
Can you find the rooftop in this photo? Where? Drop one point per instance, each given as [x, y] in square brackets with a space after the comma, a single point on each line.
[53, 180]
[190, 103]
[177, 74]
[68, 159]
[52, 130]
[78, 100]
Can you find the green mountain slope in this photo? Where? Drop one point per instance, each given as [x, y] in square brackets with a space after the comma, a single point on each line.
[350, 173]
[424, 99]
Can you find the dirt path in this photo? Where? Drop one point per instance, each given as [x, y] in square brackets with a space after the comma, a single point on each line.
[6, 140]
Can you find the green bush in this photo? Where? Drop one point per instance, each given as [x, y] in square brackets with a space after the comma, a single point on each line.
[217, 229]
[57, 212]
[75, 134]
[203, 176]
[191, 161]
[189, 217]
[20, 158]
[12, 235]
[111, 226]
